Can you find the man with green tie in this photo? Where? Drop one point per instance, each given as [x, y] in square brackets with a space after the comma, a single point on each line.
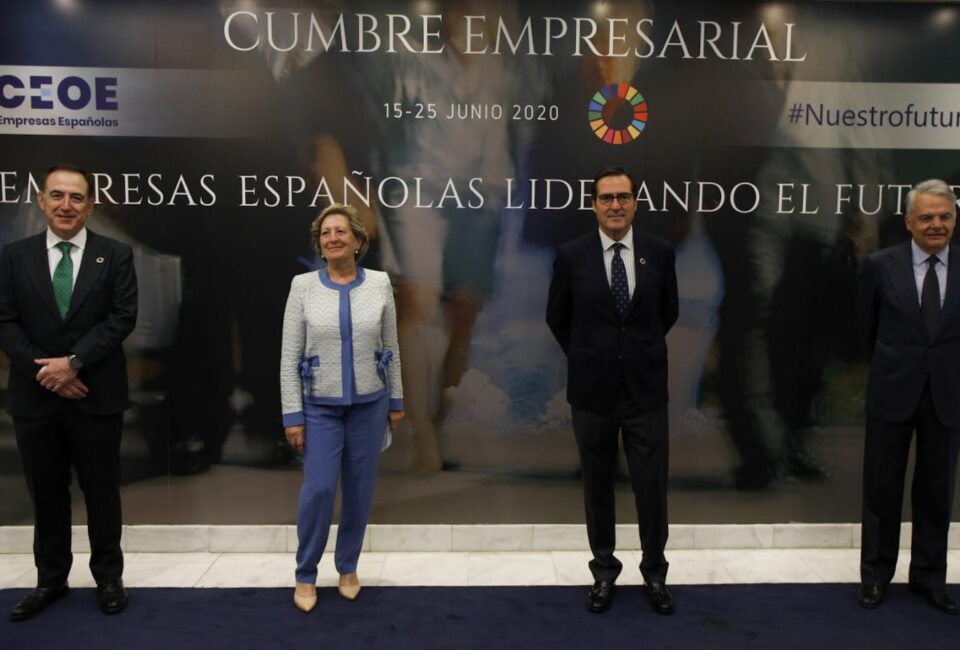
[68, 299]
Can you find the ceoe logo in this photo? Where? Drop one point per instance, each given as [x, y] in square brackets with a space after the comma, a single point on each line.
[73, 93]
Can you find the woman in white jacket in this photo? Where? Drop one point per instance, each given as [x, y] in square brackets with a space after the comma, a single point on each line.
[341, 393]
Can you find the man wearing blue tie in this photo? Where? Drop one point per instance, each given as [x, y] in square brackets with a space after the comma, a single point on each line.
[613, 297]
[909, 304]
[68, 299]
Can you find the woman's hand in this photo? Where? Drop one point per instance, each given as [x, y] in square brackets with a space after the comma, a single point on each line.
[395, 417]
[297, 437]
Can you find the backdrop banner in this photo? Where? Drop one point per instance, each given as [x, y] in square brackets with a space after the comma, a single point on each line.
[772, 143]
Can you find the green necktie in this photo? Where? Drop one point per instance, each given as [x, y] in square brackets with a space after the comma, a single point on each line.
[63, 279]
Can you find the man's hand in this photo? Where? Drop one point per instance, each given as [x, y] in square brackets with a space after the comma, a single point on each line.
[55, 373]
[76, 389]
[297, 437]
[394, 418]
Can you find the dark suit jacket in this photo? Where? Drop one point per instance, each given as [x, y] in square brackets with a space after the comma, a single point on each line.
[103, 311]
[903, 355]
[601, 348]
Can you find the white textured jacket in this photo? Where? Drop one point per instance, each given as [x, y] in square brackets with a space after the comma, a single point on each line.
[339, 343]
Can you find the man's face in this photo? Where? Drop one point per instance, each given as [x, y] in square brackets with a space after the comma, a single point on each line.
[931, 222]
[66, 201]
[616, 216]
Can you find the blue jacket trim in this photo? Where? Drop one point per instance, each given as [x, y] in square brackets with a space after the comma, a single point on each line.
[347, 401]
[346, 338]
[294, 419]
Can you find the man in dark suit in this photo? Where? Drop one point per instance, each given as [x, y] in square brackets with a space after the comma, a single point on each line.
[68, 299]
[612, 300]
[909, 303]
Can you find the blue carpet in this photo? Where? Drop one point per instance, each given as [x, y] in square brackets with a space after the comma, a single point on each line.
[817, 617]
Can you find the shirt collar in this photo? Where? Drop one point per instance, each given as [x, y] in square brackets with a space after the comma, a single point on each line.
[921, 256]
[607, 242]
[79, 240]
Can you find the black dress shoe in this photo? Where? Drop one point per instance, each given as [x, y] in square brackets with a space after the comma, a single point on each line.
[939, 599]
[870, 596]
[600, 597]
[37, 601]
[660, 599]
[112, 597]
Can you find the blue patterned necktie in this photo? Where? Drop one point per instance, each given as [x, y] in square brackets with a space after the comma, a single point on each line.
[63, 279]
[618, 281]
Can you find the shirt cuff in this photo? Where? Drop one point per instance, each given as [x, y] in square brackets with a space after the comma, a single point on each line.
[396, 404]
[293, 419]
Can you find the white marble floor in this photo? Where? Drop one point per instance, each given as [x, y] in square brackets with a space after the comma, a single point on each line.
[470, 569]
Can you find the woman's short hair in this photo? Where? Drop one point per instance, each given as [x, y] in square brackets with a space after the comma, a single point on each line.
[356, 227]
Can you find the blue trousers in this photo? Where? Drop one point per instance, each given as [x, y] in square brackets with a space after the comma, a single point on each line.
[344, 442]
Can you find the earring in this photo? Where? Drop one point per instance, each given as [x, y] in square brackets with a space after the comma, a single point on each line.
[356, 252]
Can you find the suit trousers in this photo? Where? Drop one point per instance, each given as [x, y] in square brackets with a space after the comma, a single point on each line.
[342, 442]
[886, 448]
[646, 445]
[91, 445]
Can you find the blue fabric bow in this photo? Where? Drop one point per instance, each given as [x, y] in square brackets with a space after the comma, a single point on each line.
[307, 364]
[384, 357]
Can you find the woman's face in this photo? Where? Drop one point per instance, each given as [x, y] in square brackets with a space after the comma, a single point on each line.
[337, 241]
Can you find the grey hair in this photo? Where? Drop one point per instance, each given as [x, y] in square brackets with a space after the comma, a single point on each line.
[933, 186]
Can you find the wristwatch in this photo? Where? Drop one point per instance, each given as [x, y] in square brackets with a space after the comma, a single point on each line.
[75, 362]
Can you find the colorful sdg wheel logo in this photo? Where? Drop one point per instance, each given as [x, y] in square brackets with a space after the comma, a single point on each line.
[617, 113]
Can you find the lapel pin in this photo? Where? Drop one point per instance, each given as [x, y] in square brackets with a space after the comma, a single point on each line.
[100, 260]
[643, 261]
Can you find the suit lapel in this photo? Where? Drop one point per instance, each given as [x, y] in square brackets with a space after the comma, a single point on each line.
[639, 272]
[91, 265]
[905, 285]
[38, 268]
[593, 251]
[951, 301]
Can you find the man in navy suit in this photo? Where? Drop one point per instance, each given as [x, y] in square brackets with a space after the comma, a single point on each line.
[612, 300]
[68, 299]
[909, 303]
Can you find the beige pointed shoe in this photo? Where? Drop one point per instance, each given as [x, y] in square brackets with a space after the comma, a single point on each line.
[305, 596]
[349, 586]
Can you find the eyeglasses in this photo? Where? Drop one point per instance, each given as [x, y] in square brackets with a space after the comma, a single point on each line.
[623, 198]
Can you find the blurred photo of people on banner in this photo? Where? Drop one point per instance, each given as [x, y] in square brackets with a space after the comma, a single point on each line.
[772, 145]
